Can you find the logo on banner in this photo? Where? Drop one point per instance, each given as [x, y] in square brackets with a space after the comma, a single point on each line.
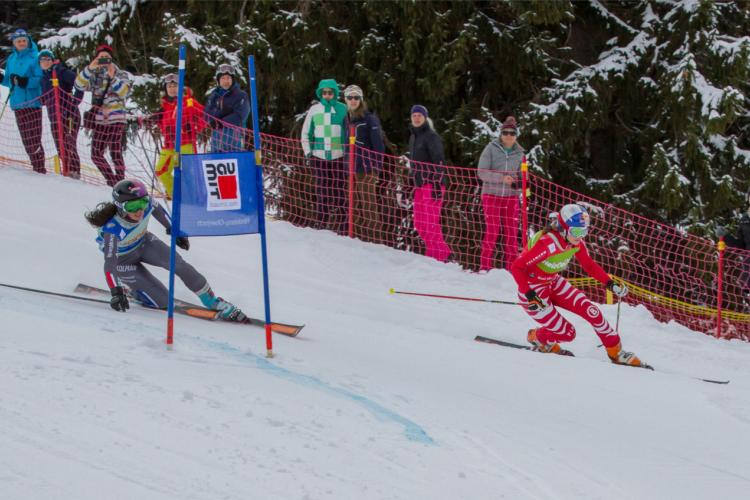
[222, 184]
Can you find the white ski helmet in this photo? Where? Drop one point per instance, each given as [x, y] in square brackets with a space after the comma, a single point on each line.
[574, 220]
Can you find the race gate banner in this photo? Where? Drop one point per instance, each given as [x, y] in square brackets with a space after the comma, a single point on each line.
[219, 194]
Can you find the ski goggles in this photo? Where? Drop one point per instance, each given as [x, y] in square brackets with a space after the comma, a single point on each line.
[225, 68]
[171, 78]
[578, 232]
[133, 206]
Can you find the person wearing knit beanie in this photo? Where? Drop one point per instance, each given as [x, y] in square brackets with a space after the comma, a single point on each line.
[418, 108]
[499, 170]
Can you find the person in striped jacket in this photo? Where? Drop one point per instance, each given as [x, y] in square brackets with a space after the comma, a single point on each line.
[109, 86]
[542, 290]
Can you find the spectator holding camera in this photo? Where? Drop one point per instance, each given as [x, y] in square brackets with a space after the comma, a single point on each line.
[192, 125]
[109, 87]
[426, 162]
[226, 111]
[499, 170]
[70, 117]
[22, 77]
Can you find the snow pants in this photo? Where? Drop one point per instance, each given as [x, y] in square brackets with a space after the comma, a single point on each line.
[109, 136]
[29, 123]
[555, 328]
[165, 166]
[144, 285]
[500, 212]
[427, 221]
[330, 194]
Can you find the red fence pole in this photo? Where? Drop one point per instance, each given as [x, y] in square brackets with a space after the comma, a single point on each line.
[352, 146]
[721, 246]
[524, 214]
[60, 143]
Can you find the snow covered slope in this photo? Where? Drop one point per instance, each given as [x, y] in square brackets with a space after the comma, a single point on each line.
[380, 397]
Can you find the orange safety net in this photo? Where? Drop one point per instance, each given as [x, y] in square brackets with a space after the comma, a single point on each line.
[434, 210]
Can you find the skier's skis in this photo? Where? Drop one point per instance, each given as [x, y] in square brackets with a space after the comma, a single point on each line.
[489, 340]
[183, 307]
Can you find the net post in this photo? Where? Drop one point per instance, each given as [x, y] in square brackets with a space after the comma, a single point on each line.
[721, 247]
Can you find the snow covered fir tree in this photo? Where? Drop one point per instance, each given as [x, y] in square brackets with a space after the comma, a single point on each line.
[641, 104]
[509, 242]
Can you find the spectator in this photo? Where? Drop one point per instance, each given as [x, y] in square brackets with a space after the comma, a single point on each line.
[426, 163]
[109, 87]
[22, 77]
[193, 124]
[227, 110]
[368, 162]
[499, 170]
[70, 117]
[741, 241]
[323, 135]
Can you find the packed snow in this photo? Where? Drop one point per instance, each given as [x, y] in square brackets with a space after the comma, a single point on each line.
[380, 397]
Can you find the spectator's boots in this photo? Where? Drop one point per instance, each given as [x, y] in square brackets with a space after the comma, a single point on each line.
[620, 357]
[538, 345]
[227, 310]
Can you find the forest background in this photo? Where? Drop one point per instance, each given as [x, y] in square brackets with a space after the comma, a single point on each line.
[641, 104]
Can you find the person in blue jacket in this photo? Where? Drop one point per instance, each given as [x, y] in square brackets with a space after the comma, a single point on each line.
[70, 118]
[364, 125]
[22, 77]
[226, 111]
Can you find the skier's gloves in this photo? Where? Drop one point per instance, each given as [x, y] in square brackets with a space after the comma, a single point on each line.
[619, 290]
[183, 242]
[19, 81]
[119, 301]
[536, 303]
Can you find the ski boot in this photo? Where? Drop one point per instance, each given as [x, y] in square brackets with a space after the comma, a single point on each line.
[227, 310]
[539, 346]
[620, 357]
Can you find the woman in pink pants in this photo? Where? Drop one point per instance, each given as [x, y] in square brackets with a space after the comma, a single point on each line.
[499, 170]
[426, 160]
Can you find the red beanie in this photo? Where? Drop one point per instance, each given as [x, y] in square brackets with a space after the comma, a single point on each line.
[105, 48]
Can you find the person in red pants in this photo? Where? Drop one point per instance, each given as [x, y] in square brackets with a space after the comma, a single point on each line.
[542, 290]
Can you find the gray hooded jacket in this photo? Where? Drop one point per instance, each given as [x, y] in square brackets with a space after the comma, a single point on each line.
[495, 163]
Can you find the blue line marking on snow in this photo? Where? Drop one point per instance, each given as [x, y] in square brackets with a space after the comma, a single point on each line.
[412, 430]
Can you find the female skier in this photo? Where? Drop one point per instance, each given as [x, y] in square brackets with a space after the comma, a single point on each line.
[127, 245]
[541, 288]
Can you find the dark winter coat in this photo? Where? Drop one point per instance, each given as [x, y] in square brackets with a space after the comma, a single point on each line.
[742, 240]
[231, 106]
[368, 135]
[426, 147]
[70, 97]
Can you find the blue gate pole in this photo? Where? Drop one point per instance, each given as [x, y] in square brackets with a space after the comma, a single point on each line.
[177, 198]
[261, 203]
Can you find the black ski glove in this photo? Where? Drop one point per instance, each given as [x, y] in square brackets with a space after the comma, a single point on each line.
[183, 242]
[119, 301]
[19, 81]
[536, 303]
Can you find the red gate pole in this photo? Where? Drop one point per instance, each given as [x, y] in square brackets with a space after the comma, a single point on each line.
[61, 144]
[352, 146]
[721, 247]
[524, 204]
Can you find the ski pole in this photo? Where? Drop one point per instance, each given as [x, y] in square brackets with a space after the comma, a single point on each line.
[56, 294]
[617, 322]
[452, 297]
[5, 104]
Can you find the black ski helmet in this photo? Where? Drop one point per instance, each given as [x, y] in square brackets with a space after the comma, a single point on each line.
[127, 190]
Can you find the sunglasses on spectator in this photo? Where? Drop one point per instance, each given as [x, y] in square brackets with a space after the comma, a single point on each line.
[327, 92]
[133, 206]
[353, 98]
[45, 59]
[508, 132]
